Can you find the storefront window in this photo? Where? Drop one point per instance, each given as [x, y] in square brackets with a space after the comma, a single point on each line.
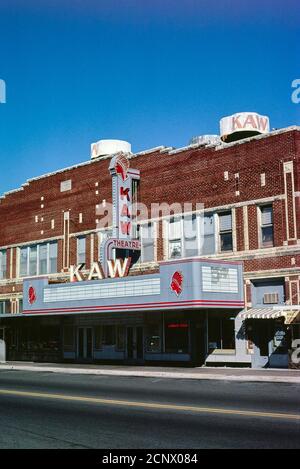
[221, 333]
[153, 338]
[98, 337]
[120, 338]
[37, 338]
[69, 337]
[49, 337]
[176, 336]
[109, 335]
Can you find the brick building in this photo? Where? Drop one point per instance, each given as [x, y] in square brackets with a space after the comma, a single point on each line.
[250, 190]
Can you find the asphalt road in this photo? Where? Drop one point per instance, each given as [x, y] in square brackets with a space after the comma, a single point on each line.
[46, 410]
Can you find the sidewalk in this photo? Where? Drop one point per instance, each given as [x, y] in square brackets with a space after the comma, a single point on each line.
[224, 374]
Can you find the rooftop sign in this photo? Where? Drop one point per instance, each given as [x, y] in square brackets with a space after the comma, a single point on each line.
[247, 123]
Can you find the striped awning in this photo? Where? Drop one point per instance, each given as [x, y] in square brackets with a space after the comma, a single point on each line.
[289, 315]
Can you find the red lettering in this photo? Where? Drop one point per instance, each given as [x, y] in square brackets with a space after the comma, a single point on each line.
[125, 211]
[250, 121]
[262, 123]
[124, 193]
[236, 123]
[125, 227]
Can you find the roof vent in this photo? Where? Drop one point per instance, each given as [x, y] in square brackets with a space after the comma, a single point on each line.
[205, 140]
[243, 125]
[109, 147]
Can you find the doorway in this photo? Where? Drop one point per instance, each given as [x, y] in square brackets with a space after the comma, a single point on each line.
[135, 344]
[85, 343]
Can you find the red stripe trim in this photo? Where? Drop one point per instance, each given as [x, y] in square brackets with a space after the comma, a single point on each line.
[183, 302]
[139, 306]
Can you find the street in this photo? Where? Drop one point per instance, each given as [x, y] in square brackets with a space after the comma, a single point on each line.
[47, 410]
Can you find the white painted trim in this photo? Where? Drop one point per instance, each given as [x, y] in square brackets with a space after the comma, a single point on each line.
[233, 227]
[246, 227]
[92, 245]
[288, 168]
[11, 257]
[290, 290]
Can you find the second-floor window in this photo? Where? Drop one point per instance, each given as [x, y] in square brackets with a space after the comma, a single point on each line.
[267, 235]
[5, 307]
[175, 238]
[38, 259]
[196, 235]
[191, 235]
[81, 250]
[225, 231]
[208, 246]
[148, 242]
[2, 264]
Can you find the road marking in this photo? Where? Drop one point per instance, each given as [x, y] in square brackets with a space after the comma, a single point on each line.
[148, 405]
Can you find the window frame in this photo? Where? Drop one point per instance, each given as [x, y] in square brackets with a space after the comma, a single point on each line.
[27, 249]
[225, 232]
[200, 234]
[152, 243]
[79, 253]
[267, 225]
[3, 257]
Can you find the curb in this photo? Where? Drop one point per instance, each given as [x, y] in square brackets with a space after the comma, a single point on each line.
[155, 374]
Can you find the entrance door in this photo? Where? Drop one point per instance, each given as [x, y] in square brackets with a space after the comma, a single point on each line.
[198, 342]
[135, 343]
[85, 343]
[261, 334]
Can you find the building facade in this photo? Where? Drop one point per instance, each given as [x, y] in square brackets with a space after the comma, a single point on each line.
[250, 191]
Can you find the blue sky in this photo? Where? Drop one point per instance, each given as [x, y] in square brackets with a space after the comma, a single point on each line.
[150, 72]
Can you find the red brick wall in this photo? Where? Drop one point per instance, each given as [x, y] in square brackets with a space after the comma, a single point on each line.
[193, 175]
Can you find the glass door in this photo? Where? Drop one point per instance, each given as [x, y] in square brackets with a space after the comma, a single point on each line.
[135, 343]
[85, 343]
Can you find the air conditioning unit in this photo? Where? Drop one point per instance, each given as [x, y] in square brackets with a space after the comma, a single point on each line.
[271, 298]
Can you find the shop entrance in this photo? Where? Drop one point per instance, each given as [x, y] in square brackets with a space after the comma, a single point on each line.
[85, 343]
[135, 343]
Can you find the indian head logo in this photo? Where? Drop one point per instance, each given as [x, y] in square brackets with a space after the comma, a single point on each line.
[122, 166]
[177, 282]
[31, 295]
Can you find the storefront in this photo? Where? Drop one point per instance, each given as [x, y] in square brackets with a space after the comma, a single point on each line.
[183, 314]
[274, 334]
